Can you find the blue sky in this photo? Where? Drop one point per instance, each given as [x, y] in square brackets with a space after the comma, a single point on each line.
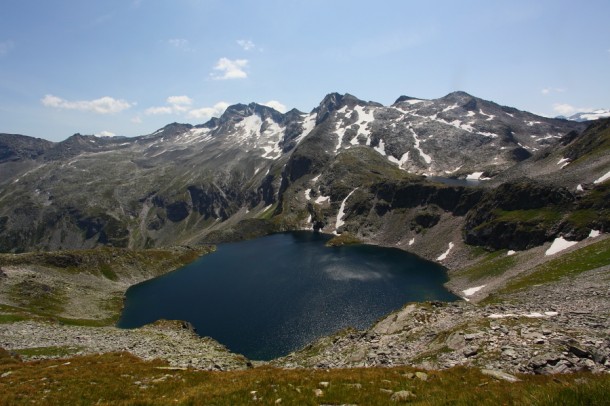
[128, 67]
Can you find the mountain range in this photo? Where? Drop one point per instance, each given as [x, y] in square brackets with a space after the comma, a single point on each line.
[383, 174]
[589, 115]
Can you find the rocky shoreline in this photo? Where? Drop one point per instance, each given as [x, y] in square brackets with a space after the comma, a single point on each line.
[559, 327]
[556, 328]
[172, 341]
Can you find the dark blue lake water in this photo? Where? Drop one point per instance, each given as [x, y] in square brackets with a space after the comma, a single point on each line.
[267, 297]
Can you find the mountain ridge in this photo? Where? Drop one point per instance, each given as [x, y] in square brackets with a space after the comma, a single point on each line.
[196, 183]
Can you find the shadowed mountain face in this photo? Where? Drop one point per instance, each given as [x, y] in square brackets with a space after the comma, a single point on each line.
[348, 165]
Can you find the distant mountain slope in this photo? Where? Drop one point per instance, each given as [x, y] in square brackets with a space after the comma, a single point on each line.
[589, 115]
[343, 166]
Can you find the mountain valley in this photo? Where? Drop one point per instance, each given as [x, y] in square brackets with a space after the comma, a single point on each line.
[514, 205]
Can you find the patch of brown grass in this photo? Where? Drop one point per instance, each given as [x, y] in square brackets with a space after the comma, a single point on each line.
[122, 379]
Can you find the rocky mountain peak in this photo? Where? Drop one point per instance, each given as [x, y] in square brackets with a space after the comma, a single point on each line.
[335, 101]
[238, 112]
[15, 146]
[171, 130]
[461, 99]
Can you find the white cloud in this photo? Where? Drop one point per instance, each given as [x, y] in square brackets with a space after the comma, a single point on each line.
[176, 104]
[208, 112]
[181, 105]
[103, 105]
[105, 134]
[548, 90]
[230, 69]
[567, 110]
[181, 100]
[6, 47]
[246, 44]
[136, 120]
[181, 44]
[564, 109]
[274, 104]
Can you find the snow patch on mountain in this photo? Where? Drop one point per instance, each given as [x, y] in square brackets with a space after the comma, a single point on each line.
[472, 291]
[603, 178]
[273, 136]
[309, 123]
[559, 244]
[322, 199]
[425, 156]
[341, 213]
[380, 148]
[365, 118]
[248, 127]
[403, 159]
[594, 233]
[489, 116]
[340, 130]
[476, 176]
[443, 256]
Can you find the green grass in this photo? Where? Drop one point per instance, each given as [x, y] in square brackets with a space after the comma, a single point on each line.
[545, 215]
[343, 239]
[593, 256]
[267, 214]
[11, 318]
[122, 379]
[38, 297]
[111, 263]
[16, 314]
[492, 264]
[35, 299]
[108, 273]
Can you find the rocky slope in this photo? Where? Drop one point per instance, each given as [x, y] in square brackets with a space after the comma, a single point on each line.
[261, 169]
[554, 326]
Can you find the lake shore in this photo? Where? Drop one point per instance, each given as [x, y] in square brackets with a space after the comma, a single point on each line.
[533, 330]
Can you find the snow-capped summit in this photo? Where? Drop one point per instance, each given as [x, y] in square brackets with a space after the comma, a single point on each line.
[590, 115]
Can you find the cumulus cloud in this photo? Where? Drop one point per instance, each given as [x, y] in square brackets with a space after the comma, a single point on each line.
[182, 105]
[176, 104]
[208, 112]
[246, 44]
[567, 110]
[103, 105]
[548, 90]
[180, 100]
[105, 134]
[564, 109]
[6, 47]
[230, 69]
[274, 104]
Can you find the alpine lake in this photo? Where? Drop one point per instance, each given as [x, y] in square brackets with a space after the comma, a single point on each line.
[267, 297]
